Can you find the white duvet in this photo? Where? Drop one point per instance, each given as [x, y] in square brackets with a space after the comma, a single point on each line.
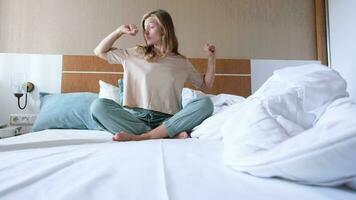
[79, 164]
[276, 132]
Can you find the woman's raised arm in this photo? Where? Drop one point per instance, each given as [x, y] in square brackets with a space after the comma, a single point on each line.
[209, 76]
[107, 43]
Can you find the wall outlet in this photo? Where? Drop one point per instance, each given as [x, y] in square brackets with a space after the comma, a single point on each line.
[22, 119]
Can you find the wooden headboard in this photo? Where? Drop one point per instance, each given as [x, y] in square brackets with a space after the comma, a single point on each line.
[82, 74]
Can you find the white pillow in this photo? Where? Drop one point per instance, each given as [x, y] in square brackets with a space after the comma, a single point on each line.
[322, 155]
[109, 91]
[220, 101]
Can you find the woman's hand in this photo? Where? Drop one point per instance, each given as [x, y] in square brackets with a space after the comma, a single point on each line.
[209, 49]
[130, 29]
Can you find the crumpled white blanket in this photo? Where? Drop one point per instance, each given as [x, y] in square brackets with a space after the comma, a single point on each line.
[297, 126]
[288, 103]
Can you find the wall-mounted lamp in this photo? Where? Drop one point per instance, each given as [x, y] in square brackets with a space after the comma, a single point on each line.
[20, 87]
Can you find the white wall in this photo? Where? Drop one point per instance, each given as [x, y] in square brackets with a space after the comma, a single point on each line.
[271, 29]
[42, 70]
[262, 69]
[342, 27]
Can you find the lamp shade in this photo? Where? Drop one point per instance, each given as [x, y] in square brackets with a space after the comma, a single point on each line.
[17, 81]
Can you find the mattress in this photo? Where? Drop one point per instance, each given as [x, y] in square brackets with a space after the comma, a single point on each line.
[83, 164]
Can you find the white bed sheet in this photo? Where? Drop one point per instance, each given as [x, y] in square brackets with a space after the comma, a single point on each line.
[82, 164]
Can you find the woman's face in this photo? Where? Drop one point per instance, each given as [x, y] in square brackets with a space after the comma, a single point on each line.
[152, 31]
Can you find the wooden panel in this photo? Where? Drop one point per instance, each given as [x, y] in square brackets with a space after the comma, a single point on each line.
[89, 63]
[82, 73]
[237, 85]
[93, 63]
[224, 66]
[320, 28]
[86, 82]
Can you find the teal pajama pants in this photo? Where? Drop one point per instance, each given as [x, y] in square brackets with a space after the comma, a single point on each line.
[114, 118]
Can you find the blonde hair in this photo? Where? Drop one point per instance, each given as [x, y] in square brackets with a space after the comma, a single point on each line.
[169, 39]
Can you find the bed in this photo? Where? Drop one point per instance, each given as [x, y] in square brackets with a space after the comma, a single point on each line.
[87, 164]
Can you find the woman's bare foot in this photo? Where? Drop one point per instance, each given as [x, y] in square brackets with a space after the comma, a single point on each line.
[181, 135]
[123, 136]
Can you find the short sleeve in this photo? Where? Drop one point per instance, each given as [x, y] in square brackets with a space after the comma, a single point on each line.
[117, 55]
[194, 76]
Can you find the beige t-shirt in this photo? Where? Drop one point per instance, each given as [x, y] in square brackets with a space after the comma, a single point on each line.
[156, 85]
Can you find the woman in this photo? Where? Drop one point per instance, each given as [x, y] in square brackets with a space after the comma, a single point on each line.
[154, 76]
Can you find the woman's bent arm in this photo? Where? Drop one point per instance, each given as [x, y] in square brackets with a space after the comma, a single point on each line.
[106, 44]
[209, 76]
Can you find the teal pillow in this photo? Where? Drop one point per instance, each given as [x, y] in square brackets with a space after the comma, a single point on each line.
[65, 111]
